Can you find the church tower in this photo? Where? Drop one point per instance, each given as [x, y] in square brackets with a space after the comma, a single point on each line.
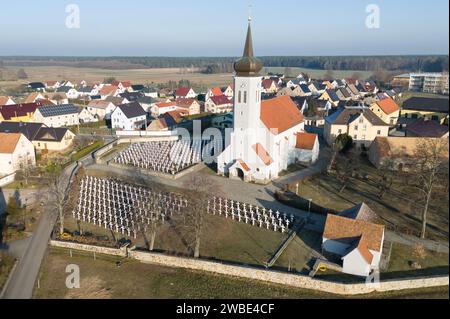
[247, 88]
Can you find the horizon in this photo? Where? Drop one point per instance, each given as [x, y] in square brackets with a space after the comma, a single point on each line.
[205, 29]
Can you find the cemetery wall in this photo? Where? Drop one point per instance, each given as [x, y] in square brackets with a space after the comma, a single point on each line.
[269, 276]
[194, 168]
[89, 248]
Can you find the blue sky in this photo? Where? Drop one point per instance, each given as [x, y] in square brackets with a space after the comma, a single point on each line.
[217, 28]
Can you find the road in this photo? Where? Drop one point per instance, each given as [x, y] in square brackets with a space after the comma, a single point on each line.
[24, 276]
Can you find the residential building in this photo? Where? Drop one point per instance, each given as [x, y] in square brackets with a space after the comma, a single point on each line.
[435, 109]
[269, 86]
[163, 107]
[429, 82]
[397, 153]
[16, 153]
[331, 96]
[71, 92]
[228, 91]
[387, 110]
[189, 106]
[129, 117]
[217, 91]
[57, 115]
[42, 137]
[186, 93]
[426, 128]
[102, 109]
[219, 104]
[358, 122]
[6, 100]
[20, 112]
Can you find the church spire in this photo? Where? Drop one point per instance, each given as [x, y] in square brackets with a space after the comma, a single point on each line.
[248, 65]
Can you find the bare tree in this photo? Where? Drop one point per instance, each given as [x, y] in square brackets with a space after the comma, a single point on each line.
[195, 221]
[58, 198]
[431, 161]
[150, 225]
[345, 170]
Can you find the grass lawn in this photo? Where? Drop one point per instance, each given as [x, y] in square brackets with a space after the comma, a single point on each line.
[88, 149]
[402, 257]
[399, 207]
[101, 278]
[6, 264]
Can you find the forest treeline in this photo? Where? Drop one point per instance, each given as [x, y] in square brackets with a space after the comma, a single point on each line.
[211, 65]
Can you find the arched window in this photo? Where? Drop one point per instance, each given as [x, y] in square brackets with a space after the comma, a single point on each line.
[245, 97]
[240, 97]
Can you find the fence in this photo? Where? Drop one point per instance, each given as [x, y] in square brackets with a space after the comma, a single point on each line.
[269, 276]
[5, 180]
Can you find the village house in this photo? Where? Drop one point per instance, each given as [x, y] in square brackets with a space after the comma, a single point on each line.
[52, 85]
[37, 86]
[189, 106]
[397, 153]
[109, 91]
[122, 86]
[185, 93]
[228, 91]
[219, 104]
[151, 92]
[6, 100]
[269, 86]
[34, 97]
[304, 90]
[359, 122]
[16, 153]
[129, 117]
[163, 107]
[88, 91]
[57, 115]
[20, 112]
[331, 96]
[146, 102]
[85, 116]
[56, 98]
[426, 128]
[343, 94]
[213, 92]
[71, 92]
[42, 137]
[435, 109]
[101, 109]
[354, 243]
[67, 83]
[117, 100]
[290, 91]
[307, 148]
[387, 110]
[316, 88]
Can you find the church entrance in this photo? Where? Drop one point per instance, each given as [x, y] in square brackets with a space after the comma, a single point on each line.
[240, 174]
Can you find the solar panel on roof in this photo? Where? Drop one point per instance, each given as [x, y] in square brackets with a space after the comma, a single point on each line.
[58, 110]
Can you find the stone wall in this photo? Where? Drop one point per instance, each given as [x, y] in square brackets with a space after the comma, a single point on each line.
[269, 276]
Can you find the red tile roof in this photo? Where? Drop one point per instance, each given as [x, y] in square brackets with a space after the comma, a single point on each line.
[280, 114]
[216, 91]
[244, 165]
[9, 142]
[306, 141]
[220, 100]
[342, 228]
[388, 106]
[183, 91]
[184, 103]
[19, 110]
[267, 84]
[165, 104]
[263, 154]
[108, 90]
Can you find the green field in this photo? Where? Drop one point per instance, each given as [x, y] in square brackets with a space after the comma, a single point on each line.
[103, 279]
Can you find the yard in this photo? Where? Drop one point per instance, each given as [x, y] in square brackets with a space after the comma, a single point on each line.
[102, 278]
[6, 264]
[399, 208]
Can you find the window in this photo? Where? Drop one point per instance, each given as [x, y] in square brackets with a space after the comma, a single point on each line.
[240, 97]
[435, 118]
[379, 132]
[245, 97]
[414, 116]
[356, 127]
[339, 131]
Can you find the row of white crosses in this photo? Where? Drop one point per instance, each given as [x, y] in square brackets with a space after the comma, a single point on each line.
[164, 156]
[250, 214]
[124, 208]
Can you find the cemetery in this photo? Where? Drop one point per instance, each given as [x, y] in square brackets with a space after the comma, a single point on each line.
[167, 157]
[235, 232]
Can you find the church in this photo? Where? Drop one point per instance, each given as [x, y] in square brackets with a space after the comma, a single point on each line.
[268, 135]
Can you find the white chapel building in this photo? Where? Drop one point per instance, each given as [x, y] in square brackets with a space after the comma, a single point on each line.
[265, 135]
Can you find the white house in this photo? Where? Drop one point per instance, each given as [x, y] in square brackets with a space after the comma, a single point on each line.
[129, 117]
[102, 109]
[264, 136]
[16, 153]
[57, 115]
[219, 104]
[356, 242]
[307, 148]
[186, 93]
[228, 91]
[6, 100]
[162, 108]
[71, 92]
[85, 116]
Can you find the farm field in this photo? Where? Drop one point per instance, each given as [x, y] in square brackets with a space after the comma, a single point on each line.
[319, 74]
[46, 73]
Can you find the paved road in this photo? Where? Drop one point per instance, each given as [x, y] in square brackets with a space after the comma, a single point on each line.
[24, 276]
